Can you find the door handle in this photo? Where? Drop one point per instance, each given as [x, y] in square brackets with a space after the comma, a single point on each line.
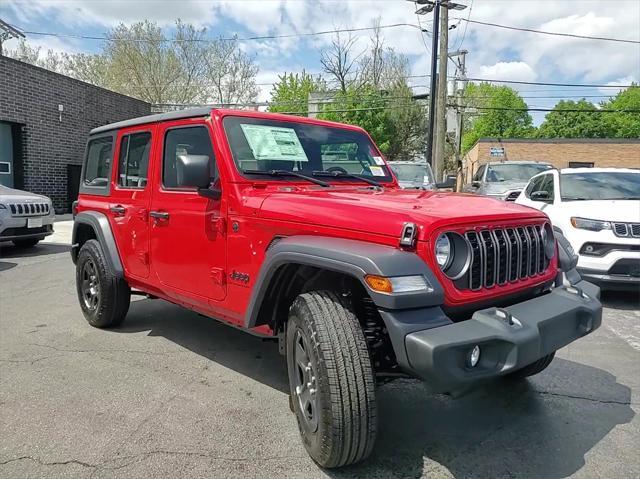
[118, 210]
[159, 215]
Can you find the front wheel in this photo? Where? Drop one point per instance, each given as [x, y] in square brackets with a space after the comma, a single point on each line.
[331, 380]
[104, 298]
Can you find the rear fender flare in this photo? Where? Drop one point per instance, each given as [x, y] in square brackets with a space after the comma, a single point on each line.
[102, 229]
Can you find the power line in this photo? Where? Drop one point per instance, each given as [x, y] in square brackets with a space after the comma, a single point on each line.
[558, 34]
[574, 85]
[568, 110]
[211, 40]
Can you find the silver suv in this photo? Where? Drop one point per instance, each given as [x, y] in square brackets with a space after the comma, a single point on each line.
[504, 180]
[25, 218]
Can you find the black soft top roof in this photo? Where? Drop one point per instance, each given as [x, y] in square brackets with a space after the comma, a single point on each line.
[172, 115]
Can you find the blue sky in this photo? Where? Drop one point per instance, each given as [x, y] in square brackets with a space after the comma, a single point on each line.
[493, 53]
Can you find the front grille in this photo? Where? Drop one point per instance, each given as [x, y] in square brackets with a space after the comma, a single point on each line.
[504, 255]
[624, 230]
[512, 196]
[29, 209]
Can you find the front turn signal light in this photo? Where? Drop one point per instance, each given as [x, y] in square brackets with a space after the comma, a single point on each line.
[379, 284]
[398, 284]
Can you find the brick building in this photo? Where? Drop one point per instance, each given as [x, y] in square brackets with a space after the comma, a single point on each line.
[44, 121]
[560, 152]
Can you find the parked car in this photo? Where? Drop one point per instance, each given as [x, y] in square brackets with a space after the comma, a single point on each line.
[25, 218]
[236, 215]
[598, 211]
[504, 180]
[413, 174]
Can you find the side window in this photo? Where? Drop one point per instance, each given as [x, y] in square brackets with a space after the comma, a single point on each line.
[134, 160]
[479, 174]
[193, 140]
[97, 168]
[547, 185]
[534, 185]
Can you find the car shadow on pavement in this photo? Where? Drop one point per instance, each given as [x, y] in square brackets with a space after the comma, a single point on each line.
[41, 249]
[537, 428]
[627, 300]
[6, 265]
[249, 355]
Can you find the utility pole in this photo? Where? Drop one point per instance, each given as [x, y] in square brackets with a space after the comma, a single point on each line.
[434, 6]
[441, 101]
[461, 81]
[7, 32]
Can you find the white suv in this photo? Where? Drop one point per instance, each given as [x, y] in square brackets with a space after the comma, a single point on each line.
[598, 211]
[25, 218]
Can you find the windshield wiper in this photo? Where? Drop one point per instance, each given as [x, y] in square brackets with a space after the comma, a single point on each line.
[287, 173]
[573, 198]
[342, 174]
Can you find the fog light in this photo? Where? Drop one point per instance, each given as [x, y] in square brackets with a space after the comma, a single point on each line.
[474, 357]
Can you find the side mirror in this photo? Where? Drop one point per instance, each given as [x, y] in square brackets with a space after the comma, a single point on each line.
[475, 184]
[194, 171]
[449, 183]
[540, 196]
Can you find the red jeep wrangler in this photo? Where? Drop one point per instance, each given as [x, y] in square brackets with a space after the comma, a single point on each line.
[296, 229]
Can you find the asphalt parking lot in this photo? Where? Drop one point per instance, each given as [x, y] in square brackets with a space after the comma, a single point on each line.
[172, 394]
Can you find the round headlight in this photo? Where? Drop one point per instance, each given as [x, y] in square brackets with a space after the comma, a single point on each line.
[443, 251]
[548, 241]
[453, 255]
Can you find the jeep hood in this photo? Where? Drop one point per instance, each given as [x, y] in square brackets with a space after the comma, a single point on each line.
[384, 212]
[9, 194]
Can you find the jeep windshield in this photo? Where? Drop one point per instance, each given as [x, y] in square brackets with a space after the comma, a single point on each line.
[332, 153]
[416, 173]
[514, 172]
[600, 186]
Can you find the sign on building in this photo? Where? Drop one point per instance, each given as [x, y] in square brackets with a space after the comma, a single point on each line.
[496, 151]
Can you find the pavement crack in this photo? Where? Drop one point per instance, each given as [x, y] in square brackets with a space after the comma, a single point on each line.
[570, 396]
[49, 463]
[68, 350]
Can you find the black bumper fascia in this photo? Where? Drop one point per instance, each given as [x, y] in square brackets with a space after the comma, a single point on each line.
[430, 346]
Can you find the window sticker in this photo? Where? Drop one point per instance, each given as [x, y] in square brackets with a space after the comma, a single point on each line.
[376, 170]
[379, 161]
[274, 143]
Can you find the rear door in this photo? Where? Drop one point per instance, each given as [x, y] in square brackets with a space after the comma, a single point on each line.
[187, 230]
[129, 202]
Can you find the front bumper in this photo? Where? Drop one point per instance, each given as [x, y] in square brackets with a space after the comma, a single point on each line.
[509, 338]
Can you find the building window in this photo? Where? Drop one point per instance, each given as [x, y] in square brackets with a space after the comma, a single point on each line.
[5, 168]
[133, 163]
[98, 164]
[581, 164]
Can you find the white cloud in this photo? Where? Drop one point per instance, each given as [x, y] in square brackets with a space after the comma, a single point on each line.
[515, 71]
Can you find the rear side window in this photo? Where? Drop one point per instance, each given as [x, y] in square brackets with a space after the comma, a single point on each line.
[184, 141]
[97, 168]
[133, 163]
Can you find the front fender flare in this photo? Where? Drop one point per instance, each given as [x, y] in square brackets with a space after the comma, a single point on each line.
[351, 257]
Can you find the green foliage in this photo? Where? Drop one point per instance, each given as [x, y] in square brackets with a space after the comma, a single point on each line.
[624, 124]
[505, 116]
[291, 92]
[364, 107]
[584, 123]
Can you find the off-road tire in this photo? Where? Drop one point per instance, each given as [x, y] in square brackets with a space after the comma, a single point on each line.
[114, 293]
[26, 243]
[345, 382]
[533, 368]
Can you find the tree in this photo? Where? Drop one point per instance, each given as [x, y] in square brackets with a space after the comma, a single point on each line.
[26, 53]
[139, 60]
[563, 122]
[291, 92]
[502, 113]
[624, 124]
[340, 62]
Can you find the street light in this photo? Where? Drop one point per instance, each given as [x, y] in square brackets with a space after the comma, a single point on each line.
[434, 6]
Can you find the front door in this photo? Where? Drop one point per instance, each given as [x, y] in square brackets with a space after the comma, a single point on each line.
[187, 236]
[129, 202]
